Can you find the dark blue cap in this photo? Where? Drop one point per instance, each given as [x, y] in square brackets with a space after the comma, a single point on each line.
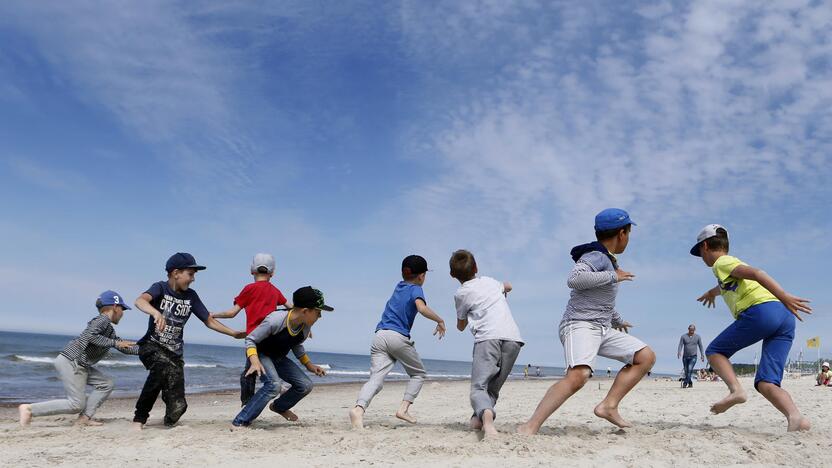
[180, 261]
[108, 298]
[612, 218]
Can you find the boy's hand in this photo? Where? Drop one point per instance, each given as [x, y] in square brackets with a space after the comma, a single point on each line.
[256, 368]
[708, 299]
[124, 344]
[624, 275]
[796, 304]
[159, 320]
[317, 370]
[440, 329]
[240, 335]
[624, 327]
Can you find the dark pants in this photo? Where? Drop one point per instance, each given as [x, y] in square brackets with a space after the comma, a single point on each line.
[247, 384]
[690, 363]
[167, 375]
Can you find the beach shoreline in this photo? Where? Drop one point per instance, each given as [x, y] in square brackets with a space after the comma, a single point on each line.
[672, 428]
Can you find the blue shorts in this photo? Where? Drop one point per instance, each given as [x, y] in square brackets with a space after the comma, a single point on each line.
[771, 322]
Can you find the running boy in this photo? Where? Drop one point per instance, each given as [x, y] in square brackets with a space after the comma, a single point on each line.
[170, 304]
[76, 361]
[259, 299]
[591, 326]
[763, 311]
[267, 347]
[481, 301]
[392, 342]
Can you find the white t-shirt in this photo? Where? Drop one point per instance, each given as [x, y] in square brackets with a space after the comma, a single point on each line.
[481, 301]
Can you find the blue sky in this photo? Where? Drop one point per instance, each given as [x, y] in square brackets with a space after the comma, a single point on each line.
[342, 136]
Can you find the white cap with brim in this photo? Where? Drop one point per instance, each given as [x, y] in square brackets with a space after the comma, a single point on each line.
[706, 233]
[825, 364]
[262, 260]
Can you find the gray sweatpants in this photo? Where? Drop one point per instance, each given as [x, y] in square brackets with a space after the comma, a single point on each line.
[75, 379]
[388, 348]
[493, 360]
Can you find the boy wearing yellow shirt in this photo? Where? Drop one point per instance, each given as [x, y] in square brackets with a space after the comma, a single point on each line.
[763, 311]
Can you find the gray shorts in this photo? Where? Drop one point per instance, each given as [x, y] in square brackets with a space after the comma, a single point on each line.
[583, 341]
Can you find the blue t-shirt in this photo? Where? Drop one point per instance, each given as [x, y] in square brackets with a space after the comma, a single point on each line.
[400, 311]
[177, 309]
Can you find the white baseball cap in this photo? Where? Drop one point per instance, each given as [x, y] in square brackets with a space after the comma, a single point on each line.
[706, 233]
[825, 364]
[262, 260]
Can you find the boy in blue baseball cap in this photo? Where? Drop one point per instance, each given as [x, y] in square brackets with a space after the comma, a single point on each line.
[764, 311]
[170, 304]
[591, 326]
[75, 365]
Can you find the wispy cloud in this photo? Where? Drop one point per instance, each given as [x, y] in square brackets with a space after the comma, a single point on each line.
[47, 177]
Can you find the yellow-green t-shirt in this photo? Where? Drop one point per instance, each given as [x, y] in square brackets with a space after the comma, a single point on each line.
[739, 294]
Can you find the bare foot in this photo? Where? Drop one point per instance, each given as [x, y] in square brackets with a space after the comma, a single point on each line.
[25, 414]
[475, 423]
[137, 426]
[526, 430]
[723, 405]
[488, 423]
[86, 421]
[289, 415]
[405, 416]
[799, 424]
[611, 415]
[357, 417]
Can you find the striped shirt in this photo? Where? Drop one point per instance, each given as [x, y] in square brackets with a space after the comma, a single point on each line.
[594, 285]
[95, 342]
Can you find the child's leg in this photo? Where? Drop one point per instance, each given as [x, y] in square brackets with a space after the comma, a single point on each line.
[74, 383]
[639, 358]
[484, 368]
[103, 386]
[173, 391]
[149, 354]
[403, 351]
[770, 371]
[301, 386]
[508, 355]
[557, 394]
[262, 397]
[381, 363]
[753, 325]
[625, 380]
[248, 384]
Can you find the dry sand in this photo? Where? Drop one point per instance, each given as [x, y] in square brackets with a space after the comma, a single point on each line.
[673, 428]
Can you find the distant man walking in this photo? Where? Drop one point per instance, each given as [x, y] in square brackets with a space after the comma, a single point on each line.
[687, 352]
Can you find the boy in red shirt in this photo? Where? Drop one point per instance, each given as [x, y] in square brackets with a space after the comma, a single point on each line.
[259, 299]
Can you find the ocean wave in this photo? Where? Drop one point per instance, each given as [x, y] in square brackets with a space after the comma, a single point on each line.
[105, 362]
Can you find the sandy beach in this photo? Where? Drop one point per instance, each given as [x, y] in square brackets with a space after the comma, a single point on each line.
[673, 428]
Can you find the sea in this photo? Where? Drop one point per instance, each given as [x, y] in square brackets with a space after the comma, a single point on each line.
[27, 373]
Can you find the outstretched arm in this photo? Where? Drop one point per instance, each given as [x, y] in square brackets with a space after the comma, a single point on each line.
[215, 325]
[793, 303]
[143, 304]
[709, 298]
[230, 313]
[428, 313]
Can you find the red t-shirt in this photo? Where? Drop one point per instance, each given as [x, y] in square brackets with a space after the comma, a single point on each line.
[259, 299]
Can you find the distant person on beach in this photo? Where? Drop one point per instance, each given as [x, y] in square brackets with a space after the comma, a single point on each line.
[268, 346]
[526, 371]
[591, 326]
[688, 344]
[609, 372]
[481, 302]
[75, 365]
[392, 342]
[825, 375]
[763, 312]
[537, 372]
[170, 304]
[259, 299]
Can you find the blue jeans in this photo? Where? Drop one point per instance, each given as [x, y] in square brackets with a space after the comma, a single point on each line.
[690, 363]
[283, 369]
